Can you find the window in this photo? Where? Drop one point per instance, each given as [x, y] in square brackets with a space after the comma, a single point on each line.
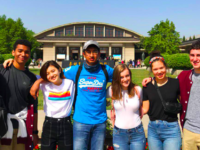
[79, 31]
[69, 31]
[60, 53]
[99, 31]
[59, 32]
[117, 52]
[118, 33]
[89, 31]
[109, 32]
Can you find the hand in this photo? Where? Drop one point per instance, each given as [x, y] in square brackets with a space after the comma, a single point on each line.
[8, 63]
[146, 81]
[35, 139]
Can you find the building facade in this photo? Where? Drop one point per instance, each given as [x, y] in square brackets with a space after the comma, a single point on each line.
[66, 42]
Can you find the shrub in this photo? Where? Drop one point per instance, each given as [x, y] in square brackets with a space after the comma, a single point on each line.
[28, 62]
[1, 59]
[166, 57]
[179, 61]
[146, 61]
[7, 56]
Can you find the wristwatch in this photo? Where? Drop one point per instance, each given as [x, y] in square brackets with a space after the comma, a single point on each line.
[35, 132]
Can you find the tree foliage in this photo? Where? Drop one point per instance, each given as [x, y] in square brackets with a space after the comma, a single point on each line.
[163, 37]
[10, 31]
[190, 38]
[183, 38]
[194, 37]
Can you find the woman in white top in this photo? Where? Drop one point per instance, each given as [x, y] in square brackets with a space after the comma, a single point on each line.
[58, 96]
[128, 132]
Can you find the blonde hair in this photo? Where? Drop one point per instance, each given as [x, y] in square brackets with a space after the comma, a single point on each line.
[116, 83]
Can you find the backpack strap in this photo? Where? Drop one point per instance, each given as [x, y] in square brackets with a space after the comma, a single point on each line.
[76, 83]
[105, 72]
[77, 77]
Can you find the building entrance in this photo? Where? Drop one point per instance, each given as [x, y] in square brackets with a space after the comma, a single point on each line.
[74, 53]
[75, 56]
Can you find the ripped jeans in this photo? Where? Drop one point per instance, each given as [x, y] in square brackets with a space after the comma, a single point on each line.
[129, 139]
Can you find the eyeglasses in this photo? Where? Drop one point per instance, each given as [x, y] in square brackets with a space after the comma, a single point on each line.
[95, 52]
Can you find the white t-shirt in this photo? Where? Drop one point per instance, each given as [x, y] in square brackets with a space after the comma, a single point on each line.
[127, 109]
[58, 100]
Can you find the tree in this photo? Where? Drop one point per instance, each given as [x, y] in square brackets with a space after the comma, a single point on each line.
[190, 38]
[183, 38]
[194, 37]
[10, 31]
[163, 37]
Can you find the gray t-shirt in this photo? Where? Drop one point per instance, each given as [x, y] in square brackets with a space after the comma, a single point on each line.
[192, 118]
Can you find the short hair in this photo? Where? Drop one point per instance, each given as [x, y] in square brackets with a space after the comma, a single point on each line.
[22, 42]
[43, 71]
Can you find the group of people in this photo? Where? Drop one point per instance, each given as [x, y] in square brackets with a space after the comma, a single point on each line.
[84, 88]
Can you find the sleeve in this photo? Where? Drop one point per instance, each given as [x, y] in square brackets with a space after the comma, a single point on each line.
[72, 91]
[110, 73]
[70, 72]
[144, 95]
[109, 92]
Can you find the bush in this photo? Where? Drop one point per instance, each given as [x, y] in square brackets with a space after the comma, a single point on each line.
[146, 61]
[179, 61]
[166, 57]
[7, 56]
[1, 59]
[28, 62]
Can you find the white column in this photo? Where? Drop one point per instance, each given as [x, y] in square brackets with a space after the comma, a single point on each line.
[123, 52]
[124, 34]
[113, 32]
[110, 50]
[104, 31]
[94, 31]
[74, 30]
[64, 32]
[84, 30]
[81, 49]
[67, 52]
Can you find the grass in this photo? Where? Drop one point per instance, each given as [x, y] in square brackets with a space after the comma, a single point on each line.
[137, 76]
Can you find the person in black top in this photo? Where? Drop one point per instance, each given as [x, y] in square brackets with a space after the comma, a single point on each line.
[163, 129]
[15, 84]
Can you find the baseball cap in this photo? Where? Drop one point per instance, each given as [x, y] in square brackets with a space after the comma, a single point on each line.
[89, 43]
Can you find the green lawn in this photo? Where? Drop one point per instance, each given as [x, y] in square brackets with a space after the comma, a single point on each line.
[137, 76]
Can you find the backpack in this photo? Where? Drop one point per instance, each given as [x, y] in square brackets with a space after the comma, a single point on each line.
[77, 77]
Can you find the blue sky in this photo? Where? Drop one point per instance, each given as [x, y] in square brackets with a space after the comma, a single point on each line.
[137, 15]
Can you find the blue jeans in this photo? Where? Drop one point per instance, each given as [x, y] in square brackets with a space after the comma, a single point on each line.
[163, 135]
[88, 136]
[129, 139]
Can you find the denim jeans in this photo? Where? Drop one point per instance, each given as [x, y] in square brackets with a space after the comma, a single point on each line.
[163, 135]
[129, 139]
[88, 136]
[57, 132]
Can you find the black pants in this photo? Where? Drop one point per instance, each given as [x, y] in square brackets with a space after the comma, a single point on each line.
[57, 132]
